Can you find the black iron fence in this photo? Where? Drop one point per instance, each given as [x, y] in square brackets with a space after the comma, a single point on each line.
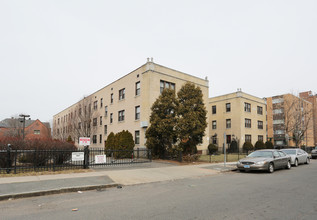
[17, 161]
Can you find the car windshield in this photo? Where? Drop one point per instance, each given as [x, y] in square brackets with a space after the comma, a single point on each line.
[261, 154]
[289, 151]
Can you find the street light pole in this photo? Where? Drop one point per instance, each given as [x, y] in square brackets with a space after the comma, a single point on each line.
[23, 120]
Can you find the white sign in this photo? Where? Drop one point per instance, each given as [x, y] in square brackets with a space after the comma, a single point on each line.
[100, 158]
[77, 156]
[84, 141]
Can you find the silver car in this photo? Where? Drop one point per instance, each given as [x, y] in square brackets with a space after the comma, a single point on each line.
[298, 156]
[314, 153]
[268, 160]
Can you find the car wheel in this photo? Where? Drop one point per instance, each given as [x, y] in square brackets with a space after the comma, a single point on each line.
[271, 168]
[307, 160]
[288, 166]
[296, 162]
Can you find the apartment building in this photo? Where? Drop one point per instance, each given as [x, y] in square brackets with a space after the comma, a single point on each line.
[290, 121]
[123, 105]
[237, 116]
[309, 96]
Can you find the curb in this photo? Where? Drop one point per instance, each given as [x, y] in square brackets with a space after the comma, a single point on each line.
[55, 191]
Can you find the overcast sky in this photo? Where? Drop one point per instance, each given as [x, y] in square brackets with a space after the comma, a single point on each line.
[52, 53]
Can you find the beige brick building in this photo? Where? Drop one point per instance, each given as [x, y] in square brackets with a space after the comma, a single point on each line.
[124, 105]
[288, 116]
[240, 116]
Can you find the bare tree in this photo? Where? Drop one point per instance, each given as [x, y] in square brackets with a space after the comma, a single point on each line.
[298, 119]
[82, 120]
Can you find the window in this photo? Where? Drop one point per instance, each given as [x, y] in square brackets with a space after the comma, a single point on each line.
[214, 109]
[277, 122]
[100, 138]
[278, 111]
[137, 137]
[101, 102]
[58, 121]
[260, 110]
[111, 98]
[228, 139]
[247, 107]
[247, 123]
[94, 122]
[248, 138]
[166, 85]
[137, 112]
[37, 132]
[121, 94]
[260, 137]
[121, 115]
[105, 129]
[106, 110]
[95, 105]
[278, 100]
[111, 118]
[279, 132]
[137, 88]
[214, 140]
[79, 125]
[228, 123]
[260, 124]
[100, 123]
[94, 139]
[214, 124]
[228, 107]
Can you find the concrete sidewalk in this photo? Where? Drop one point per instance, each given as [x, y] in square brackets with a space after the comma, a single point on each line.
[27, 186]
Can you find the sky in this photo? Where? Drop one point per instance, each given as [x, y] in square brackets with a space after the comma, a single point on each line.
[53, 53]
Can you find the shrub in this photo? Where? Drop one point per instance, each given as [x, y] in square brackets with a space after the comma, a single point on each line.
[212, 148]
[269, 145]
[233, 148]
[62, 151]
[247, 146]
[259, 145]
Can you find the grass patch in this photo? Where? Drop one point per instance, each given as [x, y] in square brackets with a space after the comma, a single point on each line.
[32, 173]
[220, 158]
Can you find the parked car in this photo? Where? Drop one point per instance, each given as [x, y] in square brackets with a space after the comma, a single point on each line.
[298, 156]
[267, 160]
[314, 153]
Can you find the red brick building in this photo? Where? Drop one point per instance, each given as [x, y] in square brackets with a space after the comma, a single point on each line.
[34, 129]
[313, 99]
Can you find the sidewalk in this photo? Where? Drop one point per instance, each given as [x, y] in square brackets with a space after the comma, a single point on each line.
[28, 186]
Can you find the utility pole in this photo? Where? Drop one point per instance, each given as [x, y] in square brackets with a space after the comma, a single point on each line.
[23, 121]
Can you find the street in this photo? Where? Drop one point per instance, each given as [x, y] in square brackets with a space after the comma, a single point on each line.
[285, 194]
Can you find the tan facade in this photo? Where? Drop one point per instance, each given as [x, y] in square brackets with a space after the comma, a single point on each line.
[239, 116]
[130, 108]
[312, 99]
[289, 116]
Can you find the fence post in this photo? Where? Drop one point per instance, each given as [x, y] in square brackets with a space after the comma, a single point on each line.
[180, 155]
[86, 157]
[9, 158]
[15, 161]
[138, 153]
[150, 154]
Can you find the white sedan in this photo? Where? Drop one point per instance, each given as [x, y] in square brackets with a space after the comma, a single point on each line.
[298, 156]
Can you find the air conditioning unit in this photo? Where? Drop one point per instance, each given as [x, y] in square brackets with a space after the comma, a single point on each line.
[144, 124]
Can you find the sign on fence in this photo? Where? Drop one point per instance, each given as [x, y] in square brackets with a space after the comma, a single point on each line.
[78, 156]
[100, 159]
[84, 141]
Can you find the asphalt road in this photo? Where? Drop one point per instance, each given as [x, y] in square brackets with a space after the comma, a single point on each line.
[285, 194]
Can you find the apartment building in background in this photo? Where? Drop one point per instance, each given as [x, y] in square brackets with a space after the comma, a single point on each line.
[312, 98]
[290, 121]
[238, 116]
[123, 105]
